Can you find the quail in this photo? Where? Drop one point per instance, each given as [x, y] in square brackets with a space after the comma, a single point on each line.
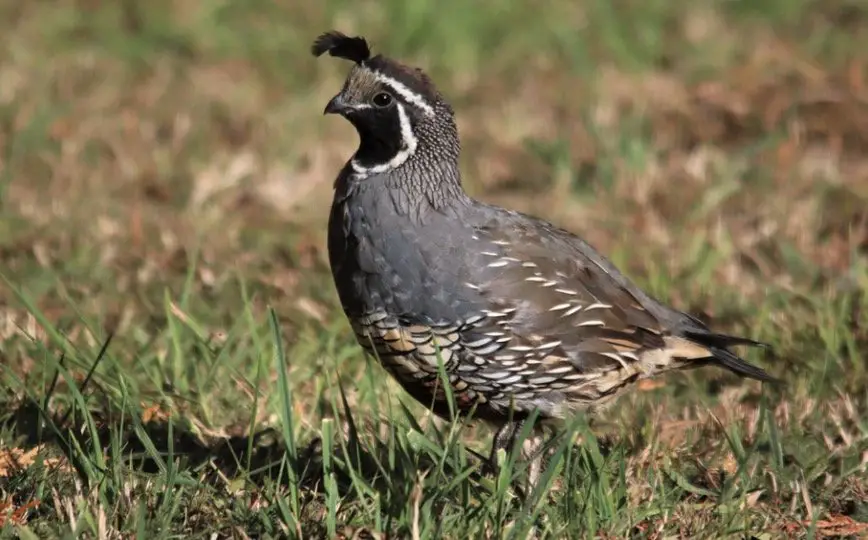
[524, 319]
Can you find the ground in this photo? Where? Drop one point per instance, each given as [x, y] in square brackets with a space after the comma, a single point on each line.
[172, 349]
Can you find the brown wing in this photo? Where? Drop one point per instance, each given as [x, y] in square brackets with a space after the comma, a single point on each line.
[551, 293]
[559, 330]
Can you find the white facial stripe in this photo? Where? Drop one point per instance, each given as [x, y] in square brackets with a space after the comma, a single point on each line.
[407, 135]
[408, 95]
[408, 148]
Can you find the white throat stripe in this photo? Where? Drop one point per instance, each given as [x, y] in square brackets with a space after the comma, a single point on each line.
[408, 95]
[408, 148]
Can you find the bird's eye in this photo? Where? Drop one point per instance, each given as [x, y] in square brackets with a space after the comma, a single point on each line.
[382, 99]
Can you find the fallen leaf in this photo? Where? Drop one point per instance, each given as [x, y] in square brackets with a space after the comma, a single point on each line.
[646, 385]
[839, 525]
[753, 497]
[17, 515]
[16, 459]
[154, 413]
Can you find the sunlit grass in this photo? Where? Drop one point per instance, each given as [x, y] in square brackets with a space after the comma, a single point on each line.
[172, 344]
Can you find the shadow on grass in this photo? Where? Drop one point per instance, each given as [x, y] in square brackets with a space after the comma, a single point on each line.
[388, 466]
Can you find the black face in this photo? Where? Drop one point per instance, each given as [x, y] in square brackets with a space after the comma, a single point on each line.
[377, 113]
[379, 128]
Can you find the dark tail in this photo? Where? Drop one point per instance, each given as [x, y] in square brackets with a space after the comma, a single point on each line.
[717, 345]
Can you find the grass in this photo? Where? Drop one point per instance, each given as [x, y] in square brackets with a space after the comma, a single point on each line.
[164, 181]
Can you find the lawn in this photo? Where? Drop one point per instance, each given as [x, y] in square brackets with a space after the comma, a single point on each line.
[173, 359]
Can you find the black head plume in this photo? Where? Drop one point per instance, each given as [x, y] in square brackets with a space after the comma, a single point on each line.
[341, 46]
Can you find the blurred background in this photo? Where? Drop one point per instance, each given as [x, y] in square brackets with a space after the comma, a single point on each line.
[166, 171]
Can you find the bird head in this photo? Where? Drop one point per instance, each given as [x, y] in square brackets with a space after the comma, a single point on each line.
[398, 113]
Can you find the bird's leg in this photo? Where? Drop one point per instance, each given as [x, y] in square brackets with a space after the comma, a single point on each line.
[503, 439]
[533, 450]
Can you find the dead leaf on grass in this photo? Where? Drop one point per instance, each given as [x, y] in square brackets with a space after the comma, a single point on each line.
[154, 413]
[16, 515]
[647, 385]
[834, 526]
[16, 459]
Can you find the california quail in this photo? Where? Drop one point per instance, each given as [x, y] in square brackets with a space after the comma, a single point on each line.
[523, 315]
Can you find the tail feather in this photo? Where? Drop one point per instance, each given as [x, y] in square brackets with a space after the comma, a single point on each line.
[717, 347]
[722, 341]
[735, 364]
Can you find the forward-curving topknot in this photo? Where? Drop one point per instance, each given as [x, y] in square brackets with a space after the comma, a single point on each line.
[341, 46]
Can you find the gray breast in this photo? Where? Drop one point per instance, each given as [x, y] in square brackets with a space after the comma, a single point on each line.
[387, 255]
